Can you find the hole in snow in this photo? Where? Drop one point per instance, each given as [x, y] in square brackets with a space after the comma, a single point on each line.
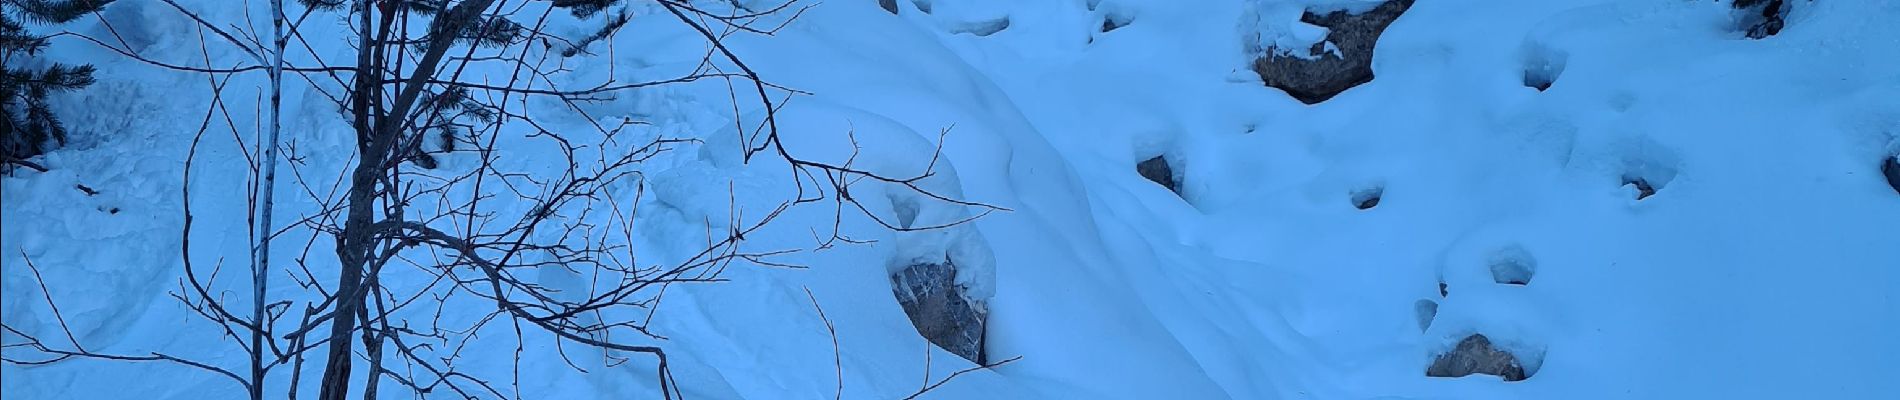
[1426, 310]
[1642, 186]
[1891, 169]
[1476, 354]
[982, 28]
[1113, 21]
[1443, 289]
[1648, 169]
[1158, 170]
[1366, 199]
[906, 208]
[1542, 66]
[1513, 265]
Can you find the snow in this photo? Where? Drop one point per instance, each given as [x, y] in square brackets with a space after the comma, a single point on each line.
[1765, 265]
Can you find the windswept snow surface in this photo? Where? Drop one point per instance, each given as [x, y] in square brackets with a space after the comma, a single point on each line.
[1765, 265]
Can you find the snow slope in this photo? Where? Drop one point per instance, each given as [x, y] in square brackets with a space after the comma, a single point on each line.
[1765, 265]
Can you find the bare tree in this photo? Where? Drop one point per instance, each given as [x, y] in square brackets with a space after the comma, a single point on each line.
[468, 229]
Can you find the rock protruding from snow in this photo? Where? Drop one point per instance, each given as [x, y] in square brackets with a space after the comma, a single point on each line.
[1328, 70]
[888, 5]
[1475, 355]
[1891, 169]
[1157, 170]
[1768, 19]
[940, 309]
[1643, 188]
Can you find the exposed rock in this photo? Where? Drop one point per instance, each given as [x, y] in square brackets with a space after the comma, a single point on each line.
[1643, 189]
[1157, 170]
[939, 309]
[1474, 355]
[1328, 73]
[1770, 21]
[888, 5]
[1891, 169]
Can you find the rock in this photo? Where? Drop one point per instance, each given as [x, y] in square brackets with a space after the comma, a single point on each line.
[1643, 189]
[1770, 22]
[1315, 80]
[939, 309]
[888, 5]
[1157, 170]
[1892, 170]
[1474, 355]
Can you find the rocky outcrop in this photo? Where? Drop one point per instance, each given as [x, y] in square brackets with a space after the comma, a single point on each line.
[1324, 74]
[1767, 19]
[940, 310]
[1475, 355]
[1157, 170]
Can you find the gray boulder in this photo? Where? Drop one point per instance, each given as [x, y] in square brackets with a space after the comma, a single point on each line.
[940, 310]
[1157, 170]
[1474, 355]
[1327, 74]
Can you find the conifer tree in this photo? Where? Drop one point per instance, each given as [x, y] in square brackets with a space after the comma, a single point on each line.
[27, 122]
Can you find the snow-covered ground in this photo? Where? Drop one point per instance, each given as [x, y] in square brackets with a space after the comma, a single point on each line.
[1765, 265]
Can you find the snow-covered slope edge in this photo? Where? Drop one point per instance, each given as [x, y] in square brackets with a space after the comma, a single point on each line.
[1763, 267]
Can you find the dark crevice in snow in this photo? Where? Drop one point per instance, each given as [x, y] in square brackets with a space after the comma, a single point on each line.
[1649, 171]
[1513, 265]
[1158, 170]
[1366, 199]
[1542, 66]
[1642, 186]
[1891, 169]
[1113, 21]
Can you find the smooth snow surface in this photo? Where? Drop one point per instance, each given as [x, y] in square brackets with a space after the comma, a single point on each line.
[1765, 265]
